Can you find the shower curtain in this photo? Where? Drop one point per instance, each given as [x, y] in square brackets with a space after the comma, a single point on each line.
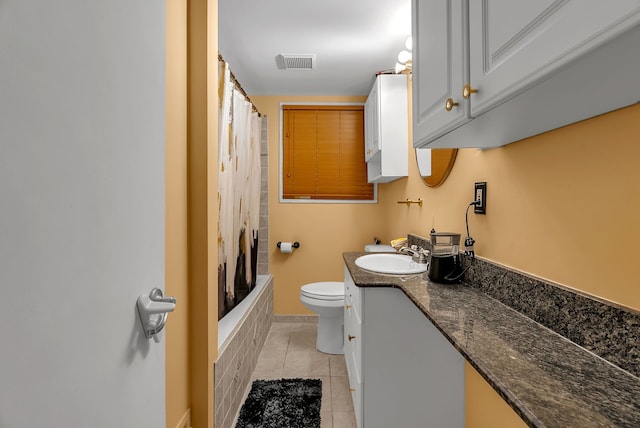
[238, 192]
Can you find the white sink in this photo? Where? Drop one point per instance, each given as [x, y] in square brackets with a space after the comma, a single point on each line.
[390, 263]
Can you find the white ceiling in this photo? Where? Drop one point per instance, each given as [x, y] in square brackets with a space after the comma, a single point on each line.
[353, 40]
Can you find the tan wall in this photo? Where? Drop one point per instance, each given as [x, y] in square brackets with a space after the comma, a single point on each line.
[484, 407]
[203, 205]
[562, 205]
[191, 210]
[324, 231]
[176, 267]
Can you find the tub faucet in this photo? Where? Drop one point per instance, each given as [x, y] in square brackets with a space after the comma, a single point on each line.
[417, 254]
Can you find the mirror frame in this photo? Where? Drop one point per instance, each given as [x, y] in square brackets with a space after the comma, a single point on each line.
[442, 161]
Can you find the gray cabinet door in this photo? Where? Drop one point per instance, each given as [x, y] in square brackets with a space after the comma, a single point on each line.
[440, 68]
[516, 44]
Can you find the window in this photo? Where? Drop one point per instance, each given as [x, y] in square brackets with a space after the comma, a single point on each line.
[323, 153]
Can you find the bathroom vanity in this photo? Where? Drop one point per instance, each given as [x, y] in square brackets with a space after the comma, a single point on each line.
[400, 353]
[407, 339]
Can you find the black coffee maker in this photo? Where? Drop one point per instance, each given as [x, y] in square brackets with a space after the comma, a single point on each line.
[444, 258]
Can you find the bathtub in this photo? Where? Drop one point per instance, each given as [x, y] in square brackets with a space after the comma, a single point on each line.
[233, 319]
[241, 335]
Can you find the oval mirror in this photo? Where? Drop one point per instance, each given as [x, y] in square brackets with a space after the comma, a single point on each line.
[435, 165]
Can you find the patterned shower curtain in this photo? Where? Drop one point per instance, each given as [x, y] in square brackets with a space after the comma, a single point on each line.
[238, 193]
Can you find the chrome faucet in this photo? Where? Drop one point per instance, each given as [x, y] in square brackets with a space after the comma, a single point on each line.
[418, 255]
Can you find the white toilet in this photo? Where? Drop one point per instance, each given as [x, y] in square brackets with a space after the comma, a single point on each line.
[327, 300]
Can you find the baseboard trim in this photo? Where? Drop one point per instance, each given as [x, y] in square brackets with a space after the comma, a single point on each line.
[296, 318]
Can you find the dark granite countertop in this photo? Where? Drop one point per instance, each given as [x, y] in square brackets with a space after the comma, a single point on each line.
[547, 379]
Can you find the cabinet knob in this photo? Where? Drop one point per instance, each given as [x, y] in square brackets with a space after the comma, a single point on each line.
[347, 306]
[350, 337]
[352, 389]
[450, 104]
[467, 90]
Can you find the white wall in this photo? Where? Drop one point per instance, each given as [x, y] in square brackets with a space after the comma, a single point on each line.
[81, 211]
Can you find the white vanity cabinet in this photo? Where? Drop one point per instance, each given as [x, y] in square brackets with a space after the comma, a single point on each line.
[386, 129]
[536, 66]
[402, 370]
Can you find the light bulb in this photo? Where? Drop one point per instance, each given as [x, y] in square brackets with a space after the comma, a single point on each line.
[409, 43]
[404, 56]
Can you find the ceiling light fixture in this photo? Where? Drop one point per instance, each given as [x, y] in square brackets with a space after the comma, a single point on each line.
[405, 58]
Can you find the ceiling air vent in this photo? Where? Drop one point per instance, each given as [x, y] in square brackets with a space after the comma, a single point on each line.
[296, 61]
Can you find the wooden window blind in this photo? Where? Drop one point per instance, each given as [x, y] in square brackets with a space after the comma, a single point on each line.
[323, 153]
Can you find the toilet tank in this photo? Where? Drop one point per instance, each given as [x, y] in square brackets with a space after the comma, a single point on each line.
[379, 248]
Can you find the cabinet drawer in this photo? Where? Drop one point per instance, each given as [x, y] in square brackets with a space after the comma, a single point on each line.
[352, 327]
[352, 358]
[353, 302]
[348, 281]
[352, 296]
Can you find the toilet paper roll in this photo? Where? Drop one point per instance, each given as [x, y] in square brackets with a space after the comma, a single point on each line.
[286, 247]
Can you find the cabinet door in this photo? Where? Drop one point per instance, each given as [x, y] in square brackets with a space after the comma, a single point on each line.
[372, 123]
[411, 375]
[353, 342]
[516, 44]
[440, 67]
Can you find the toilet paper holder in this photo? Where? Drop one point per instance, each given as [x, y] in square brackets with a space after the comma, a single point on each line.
[294, 245]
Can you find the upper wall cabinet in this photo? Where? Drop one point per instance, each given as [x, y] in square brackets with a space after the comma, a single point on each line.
[491, 72]
[440, 68]
[386, 129]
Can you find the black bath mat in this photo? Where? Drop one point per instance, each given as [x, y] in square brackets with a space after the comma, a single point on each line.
[282, 403]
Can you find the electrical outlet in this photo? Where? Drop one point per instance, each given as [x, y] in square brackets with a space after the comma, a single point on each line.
[480, 197]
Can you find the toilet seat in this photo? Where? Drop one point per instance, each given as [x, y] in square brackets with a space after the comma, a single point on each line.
[329, 291]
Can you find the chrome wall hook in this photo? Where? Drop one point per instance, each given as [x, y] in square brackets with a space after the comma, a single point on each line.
[153, 310]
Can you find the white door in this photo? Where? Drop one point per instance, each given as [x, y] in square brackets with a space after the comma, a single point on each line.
[81, 211]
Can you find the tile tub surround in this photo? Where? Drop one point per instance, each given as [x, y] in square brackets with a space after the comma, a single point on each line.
[238, 357]
[607, 330]
[263, 227]
[547, 379]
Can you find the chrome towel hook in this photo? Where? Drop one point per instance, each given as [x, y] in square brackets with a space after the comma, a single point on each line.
[153, 310]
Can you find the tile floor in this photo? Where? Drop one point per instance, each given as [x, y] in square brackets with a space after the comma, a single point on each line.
[290, 352]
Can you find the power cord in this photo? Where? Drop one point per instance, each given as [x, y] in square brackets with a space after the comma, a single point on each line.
[469, 241]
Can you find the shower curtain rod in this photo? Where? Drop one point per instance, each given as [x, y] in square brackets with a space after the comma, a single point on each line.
[239, 87]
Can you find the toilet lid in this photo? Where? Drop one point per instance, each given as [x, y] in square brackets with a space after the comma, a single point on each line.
[324, 290]
[379, 248]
